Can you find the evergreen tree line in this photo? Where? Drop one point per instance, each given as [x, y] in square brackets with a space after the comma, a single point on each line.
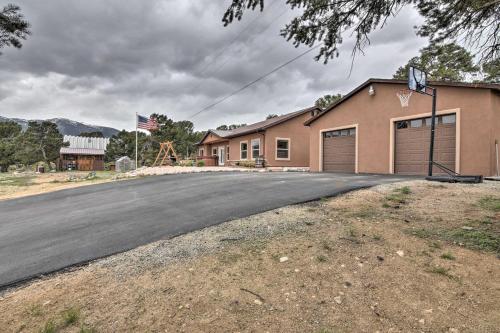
[40, 142]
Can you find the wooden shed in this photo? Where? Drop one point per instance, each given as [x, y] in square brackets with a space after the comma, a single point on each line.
[83, 153]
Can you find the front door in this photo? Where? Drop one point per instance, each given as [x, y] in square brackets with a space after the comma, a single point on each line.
[221, 155]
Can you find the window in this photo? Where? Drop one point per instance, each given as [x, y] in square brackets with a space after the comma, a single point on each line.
[449, 119]
[401, 124]
[214, 151]
[201, 152]
[416, 123]
[255, 148]
[227, 149]
[345, 132]
[243, 150]
[282, 149]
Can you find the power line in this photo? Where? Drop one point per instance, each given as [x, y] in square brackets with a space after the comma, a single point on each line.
[273, 20]
[248, 26]
[254, 81]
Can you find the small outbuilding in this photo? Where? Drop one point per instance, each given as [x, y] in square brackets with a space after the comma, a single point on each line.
[83, 153]
[370, 130]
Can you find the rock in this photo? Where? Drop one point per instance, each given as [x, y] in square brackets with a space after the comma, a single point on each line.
[453, 330]
[380, 258]
[428, 311]
[347, 284]
[338, 299]
[467, 228]
[400, 253]
[258, 301]
[422, 321]
[283, 259]
[297, 270]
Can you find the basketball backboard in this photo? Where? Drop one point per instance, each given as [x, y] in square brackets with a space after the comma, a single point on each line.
[417, 79]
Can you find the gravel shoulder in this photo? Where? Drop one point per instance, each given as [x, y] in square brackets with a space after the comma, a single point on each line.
[406, 257]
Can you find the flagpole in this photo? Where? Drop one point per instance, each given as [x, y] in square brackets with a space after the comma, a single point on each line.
[136, 124]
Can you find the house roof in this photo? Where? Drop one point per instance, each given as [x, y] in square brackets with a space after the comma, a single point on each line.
[257, 127]
[86, 142]
[353, 92]
[82, 151]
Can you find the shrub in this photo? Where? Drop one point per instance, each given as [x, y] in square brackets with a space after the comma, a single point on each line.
[200, 163]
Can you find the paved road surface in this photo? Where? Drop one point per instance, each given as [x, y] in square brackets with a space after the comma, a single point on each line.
[48, 232]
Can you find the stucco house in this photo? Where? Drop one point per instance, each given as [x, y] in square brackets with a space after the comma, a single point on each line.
[281, 141]
[369, 131]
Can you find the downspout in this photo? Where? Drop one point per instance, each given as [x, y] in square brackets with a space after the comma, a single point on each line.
[496, 153]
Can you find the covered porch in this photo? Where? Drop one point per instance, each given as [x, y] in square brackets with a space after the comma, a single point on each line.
[214, 153]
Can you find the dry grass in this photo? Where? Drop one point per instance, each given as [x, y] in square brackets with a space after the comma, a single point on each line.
[356, 268]
[25, 184]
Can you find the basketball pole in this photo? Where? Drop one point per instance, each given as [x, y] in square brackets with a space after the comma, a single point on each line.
[433, 129]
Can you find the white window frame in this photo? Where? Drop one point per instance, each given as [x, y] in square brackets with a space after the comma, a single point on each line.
[244, 159]
[276, 149]
[251, 147]
[216, 151]
[201, 152]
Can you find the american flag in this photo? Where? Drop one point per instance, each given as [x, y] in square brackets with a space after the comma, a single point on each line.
[147, 124]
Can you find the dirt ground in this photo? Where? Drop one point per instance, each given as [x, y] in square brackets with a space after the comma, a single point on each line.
[30, 183]
[24, 184]
[406, 257]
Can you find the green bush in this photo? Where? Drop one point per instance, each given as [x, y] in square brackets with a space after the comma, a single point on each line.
[200, 163]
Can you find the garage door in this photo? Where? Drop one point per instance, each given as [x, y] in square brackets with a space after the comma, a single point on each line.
[339, 150]
[412, 140]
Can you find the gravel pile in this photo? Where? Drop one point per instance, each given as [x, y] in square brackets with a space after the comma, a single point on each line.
[167, 170]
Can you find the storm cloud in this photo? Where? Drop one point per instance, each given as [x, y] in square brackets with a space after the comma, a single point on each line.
[102, 61]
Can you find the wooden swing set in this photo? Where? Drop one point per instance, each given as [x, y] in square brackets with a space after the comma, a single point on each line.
[165, 148]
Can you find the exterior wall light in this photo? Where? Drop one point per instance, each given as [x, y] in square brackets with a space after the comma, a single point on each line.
[371, 91]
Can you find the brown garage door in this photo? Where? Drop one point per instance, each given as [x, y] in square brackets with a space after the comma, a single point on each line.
[412, 145]
[339, 150]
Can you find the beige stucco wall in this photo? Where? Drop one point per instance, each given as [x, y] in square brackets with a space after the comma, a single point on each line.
[372, 114]
[292, 129]
[234, 145]
[298, 134]
[495, 103]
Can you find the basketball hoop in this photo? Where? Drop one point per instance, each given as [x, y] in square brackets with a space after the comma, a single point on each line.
[404, 97]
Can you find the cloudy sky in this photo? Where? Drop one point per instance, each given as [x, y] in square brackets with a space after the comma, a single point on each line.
[101, 61]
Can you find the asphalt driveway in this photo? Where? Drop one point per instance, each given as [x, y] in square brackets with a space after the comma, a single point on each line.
[48, 232]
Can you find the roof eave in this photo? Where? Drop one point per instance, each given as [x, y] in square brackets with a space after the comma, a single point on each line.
[353, 92]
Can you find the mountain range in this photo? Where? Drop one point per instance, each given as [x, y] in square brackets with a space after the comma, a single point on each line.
[68, 127]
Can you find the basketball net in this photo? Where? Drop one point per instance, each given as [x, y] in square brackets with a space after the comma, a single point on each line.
[404, 97]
